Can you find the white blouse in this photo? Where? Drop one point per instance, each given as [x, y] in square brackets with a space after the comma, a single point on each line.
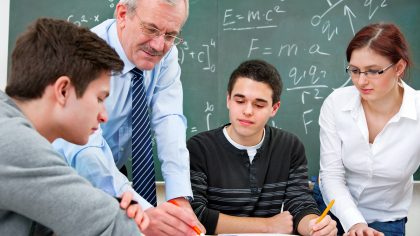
[368, 182]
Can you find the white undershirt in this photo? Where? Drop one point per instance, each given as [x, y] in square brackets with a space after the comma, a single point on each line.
[251, 150]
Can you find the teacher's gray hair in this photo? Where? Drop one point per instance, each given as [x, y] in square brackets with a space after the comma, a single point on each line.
[132, 5]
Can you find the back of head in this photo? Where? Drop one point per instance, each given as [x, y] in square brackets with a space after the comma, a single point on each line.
[260, 71]
[51, 48]
[384, 39]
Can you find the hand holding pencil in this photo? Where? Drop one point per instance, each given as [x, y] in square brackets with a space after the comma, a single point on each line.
[324, 225]
[195, 228]
[169, 220]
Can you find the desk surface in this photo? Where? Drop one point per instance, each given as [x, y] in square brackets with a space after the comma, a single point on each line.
[255, 235]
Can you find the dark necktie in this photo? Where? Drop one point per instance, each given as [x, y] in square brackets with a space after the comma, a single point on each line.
[141, 140]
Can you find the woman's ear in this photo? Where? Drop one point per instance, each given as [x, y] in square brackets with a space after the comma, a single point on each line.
[400, 68]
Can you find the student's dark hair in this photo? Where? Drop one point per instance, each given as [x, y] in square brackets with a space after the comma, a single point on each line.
[260, 71]
[384, 39]
[51, 48]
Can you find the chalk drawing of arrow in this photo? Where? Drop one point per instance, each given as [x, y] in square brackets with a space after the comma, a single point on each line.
[348, 12]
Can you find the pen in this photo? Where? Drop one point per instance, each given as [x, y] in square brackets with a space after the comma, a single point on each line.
[282, 207]
[195, 228]
[325, 211]
[131, 203]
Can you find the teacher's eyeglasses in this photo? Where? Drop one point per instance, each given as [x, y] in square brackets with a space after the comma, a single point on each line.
[170, 39]
[355, 72]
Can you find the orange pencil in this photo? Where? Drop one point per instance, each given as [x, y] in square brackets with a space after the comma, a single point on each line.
[195, 228]
[325, 211]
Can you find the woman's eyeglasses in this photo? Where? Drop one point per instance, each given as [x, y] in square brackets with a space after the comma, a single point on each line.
[355, 72]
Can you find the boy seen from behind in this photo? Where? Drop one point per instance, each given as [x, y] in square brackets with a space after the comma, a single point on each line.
[58, 82]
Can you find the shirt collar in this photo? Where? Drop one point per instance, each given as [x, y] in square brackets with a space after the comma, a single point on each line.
[408, 107]
[353, 105]
[114, 42]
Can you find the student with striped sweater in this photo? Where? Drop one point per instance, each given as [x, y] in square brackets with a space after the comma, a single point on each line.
[243, 173]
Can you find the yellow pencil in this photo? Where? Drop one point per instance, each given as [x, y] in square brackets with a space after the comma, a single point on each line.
[325, 211]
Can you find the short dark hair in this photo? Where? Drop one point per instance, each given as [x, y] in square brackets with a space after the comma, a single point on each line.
[260, 71]
[51, 48]
[385, 39]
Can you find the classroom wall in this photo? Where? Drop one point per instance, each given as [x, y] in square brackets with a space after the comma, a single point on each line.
[4, 32]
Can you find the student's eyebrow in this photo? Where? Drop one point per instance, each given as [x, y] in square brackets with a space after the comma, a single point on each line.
[260, 100]
[368, 66]
[239, 95]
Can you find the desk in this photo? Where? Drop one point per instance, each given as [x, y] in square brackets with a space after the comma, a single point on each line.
[255, 235]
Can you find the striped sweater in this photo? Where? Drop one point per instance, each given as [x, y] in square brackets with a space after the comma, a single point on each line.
[224, 181]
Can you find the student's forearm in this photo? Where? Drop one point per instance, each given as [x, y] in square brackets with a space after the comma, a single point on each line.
[280, 223]
[236, 224]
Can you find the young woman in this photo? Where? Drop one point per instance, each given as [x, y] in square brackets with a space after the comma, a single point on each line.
[369, 135]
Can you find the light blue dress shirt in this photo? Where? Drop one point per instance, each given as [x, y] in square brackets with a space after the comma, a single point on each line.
[164, 98]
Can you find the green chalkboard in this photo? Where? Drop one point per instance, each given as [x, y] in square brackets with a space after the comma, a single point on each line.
[304, 39]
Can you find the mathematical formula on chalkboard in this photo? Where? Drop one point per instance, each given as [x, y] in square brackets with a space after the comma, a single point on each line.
[306, 81]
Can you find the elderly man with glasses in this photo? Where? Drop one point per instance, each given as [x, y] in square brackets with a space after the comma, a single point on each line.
[145, 100]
